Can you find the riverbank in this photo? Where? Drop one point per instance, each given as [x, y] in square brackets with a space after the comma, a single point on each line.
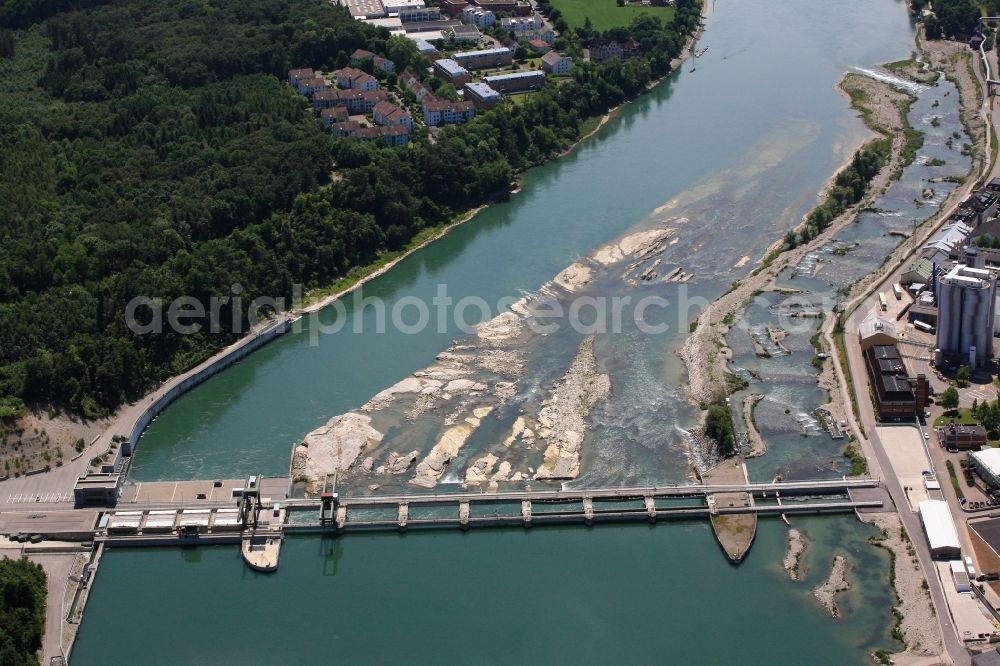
[915, 622]
[318, 299]
[705, 353]
[121, 421]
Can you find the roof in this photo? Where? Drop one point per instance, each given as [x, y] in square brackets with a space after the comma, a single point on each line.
[304, 73]
[351, 73]
[922, 267]
[884, 352]
[362, 54]
[988, 658]
[450, 67]
[603, 43]
[503, 50]
[938, 525]
[436, 104]
[957, 429]
[875, 325]
[464, 30]
[534, 74]
[950, 235]
[539, 44]
[971, 278]
[895, 386]
[514, 20]
[990, 459]
[552, 57]
[481, 90]
[423, 46]
[393, 130]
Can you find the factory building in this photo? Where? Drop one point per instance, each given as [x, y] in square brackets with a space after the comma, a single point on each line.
[966, 298]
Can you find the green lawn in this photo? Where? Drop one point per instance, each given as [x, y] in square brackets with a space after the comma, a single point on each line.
[522, 97]
[605, 14]
[963, 417]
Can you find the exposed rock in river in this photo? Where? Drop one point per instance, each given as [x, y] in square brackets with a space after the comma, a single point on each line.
[445, 402]
[836, 583]
[432, 467]
[796, 545]
[333, 447]
[564, 418]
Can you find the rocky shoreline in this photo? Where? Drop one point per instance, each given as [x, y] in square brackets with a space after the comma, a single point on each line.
[705, 353]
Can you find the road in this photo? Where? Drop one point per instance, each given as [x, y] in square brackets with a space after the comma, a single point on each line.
[864, 428]
[58, 568]
[878, 463]
[871, 445]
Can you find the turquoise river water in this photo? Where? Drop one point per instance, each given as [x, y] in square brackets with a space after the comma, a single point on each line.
[731, 155]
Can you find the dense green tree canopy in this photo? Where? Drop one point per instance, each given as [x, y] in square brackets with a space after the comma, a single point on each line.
[22, 611]
[154, 149]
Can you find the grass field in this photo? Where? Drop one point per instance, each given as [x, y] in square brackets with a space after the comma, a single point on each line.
[958, 416]
[605, 14]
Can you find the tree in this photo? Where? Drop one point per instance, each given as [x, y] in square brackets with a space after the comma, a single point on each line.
[949, 398]
[22, 611]
[962, 376]
[719, 426]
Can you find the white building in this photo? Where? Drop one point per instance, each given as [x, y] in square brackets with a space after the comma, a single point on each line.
[940, 530]
[557, 64]
[966, 299]
[960, 576]
[424, 47]
[987, 464]
[419, 14]
[523, 27]
[396, 6]
[479, 17]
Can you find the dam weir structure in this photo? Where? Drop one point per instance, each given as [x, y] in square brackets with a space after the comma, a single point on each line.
[145, 521]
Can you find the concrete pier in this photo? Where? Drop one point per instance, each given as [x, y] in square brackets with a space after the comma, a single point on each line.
[403, 516]
[463, 513]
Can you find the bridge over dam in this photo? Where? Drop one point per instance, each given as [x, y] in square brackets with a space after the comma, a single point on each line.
[150, 520]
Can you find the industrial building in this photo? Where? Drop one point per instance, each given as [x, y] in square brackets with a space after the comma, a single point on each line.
[876, 331]
[966, 298]
[987, 464]
[98, 489]
[940, 530]
[895, 393]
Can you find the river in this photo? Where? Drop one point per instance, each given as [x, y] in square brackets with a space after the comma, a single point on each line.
[731, 155]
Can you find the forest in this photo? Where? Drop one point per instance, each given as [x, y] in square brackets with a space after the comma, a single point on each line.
[154, 149]
[22, 611]
[954, 19]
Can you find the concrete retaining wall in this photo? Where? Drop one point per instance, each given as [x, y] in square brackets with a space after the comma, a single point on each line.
[200, 374]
